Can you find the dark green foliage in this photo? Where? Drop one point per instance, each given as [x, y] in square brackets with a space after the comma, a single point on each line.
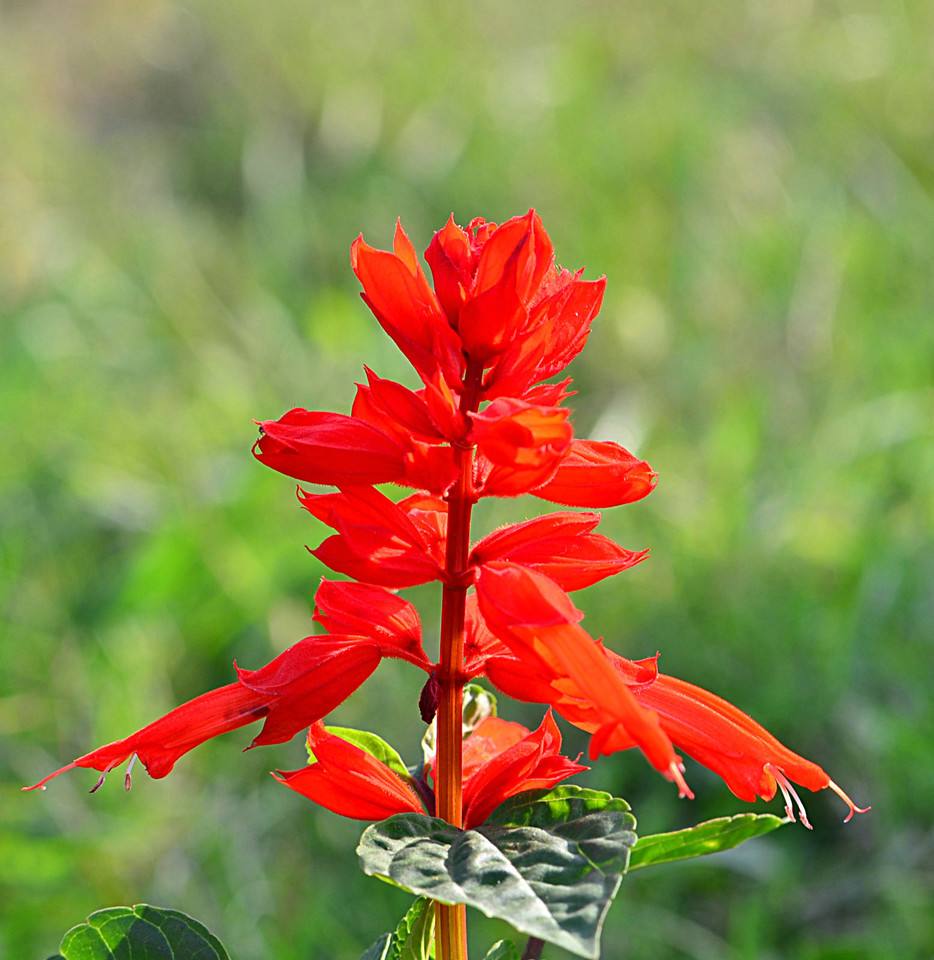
[140, 933]
[551, 870]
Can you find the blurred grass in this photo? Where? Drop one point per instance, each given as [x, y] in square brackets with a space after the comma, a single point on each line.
[179, 185]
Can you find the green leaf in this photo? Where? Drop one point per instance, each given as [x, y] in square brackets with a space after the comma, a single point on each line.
[550, 863]
[140, 933]
[374, 745]
[413, 938]
[502, 950]
[711, 836]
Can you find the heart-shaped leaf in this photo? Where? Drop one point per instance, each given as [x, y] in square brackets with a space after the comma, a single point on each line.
[550, 863]
[711, 836]
[413, 938]
[141, 933]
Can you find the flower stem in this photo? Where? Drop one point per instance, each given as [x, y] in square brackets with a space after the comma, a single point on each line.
[451, 921]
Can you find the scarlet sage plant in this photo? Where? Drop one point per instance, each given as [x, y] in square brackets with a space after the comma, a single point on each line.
[485, 818]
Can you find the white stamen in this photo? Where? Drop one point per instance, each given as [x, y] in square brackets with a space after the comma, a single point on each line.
[128, 776]
[853, 808]
[789, 793]
[675, 771]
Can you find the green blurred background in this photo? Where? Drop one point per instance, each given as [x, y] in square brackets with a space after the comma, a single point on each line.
[179, 186]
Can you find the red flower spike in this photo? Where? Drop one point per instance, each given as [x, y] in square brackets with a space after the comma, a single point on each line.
[349, 781]
[395, 289]
[502, 759]
[561, 546]
[376, 540]
[523, 444]
[298, 687]
[598, 474]
[328, 448]
[373, 612]
[749, 759]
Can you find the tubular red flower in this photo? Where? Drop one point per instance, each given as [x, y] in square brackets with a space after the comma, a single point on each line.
[395, 289]
[349, 781]
[376, 613]
[329, 448]
[598, 474]
[502, 759]
[750, 760]
[298, 687]
[376, 542]
[560, 664]
[560, 545]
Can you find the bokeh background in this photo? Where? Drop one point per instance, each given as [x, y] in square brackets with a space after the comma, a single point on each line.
[179, 186]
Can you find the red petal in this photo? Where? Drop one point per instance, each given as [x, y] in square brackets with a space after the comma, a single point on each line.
[524, 443]
[598, 474]
[377, 540]
[349, 781]
[308, 681]
[561, 546]
[365, 610]
[328, 448]
[298, 687]
[449, 257]
[406, 308]
[532, 763]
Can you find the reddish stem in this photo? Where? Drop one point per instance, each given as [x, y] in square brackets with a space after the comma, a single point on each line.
[451, 933]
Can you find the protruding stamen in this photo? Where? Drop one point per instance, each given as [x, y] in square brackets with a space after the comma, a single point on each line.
[100, 782]
[128, 776]
[789, 793]
[853, 808]
[675, 773]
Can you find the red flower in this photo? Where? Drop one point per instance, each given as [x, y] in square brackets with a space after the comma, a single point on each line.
[376, 613]
[560, 545]
[502, 759]
[749, 759]
[298, 687]
[349, 781]
[555, 661]
[598, 474]
[328, 448]
[519, 445]
[377, 541]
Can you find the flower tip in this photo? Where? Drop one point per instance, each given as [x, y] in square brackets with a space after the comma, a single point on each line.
[41, 784]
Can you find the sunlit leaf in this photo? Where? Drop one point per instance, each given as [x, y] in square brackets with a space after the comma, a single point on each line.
[140, 933]
[711, 836]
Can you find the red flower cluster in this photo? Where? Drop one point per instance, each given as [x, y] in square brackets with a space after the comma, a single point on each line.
[500, 320]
